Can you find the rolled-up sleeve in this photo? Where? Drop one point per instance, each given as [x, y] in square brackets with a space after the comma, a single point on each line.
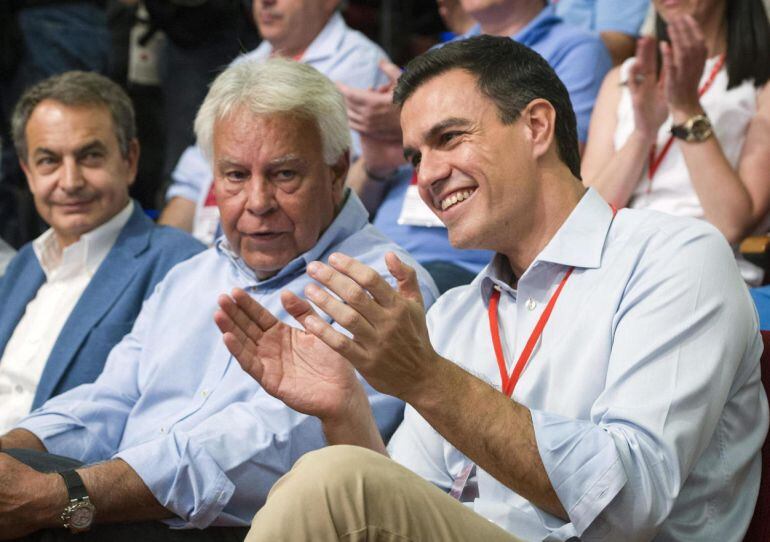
[619, 474]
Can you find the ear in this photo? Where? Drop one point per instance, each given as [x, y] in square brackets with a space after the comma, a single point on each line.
[133, 160]
[540, 119]
[339, 174]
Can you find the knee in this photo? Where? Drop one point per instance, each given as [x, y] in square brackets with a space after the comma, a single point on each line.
[340, 465]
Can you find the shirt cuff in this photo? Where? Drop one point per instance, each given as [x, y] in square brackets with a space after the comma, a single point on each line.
[583, 464]
[185, 480]
[65, 438]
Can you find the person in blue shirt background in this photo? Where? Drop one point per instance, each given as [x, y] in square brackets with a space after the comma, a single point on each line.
[618, 23]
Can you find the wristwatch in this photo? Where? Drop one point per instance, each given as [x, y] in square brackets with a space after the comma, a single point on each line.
[79, 513]
[694, 129]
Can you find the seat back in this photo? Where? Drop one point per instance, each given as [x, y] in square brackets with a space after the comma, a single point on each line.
[759, 529]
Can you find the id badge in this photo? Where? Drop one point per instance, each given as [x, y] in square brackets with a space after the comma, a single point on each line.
[414, 211]
[143, 59]
[465, 487]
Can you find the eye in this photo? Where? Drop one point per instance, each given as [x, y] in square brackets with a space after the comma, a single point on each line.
[416, 159]
[236, 175]
[447, 137]
[92, 158]
[285, 175]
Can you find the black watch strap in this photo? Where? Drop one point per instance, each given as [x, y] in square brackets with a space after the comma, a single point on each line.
[76, 489]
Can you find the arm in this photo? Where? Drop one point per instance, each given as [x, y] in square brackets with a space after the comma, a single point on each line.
[21, 438]
[620, 46]
[615, 174]
[179, 212]
[734, 201]
[439, 390]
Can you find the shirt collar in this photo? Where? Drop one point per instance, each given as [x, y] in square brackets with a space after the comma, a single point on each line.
[87, 253]
[579, 242]
[325, 44]
[532, 32]
[349, 220]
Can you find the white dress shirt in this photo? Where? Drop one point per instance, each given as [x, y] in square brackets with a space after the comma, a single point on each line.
[67, 273]
[644, 388]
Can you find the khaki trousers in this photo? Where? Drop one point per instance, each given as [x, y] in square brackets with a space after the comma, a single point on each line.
[353, 494]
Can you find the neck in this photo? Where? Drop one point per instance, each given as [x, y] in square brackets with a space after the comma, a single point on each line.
[292, 48]
[507, 20]
[557, 198]
[714, 28]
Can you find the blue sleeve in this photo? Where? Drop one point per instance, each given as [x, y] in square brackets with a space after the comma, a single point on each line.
[191, 177]
[626, 16]
[582, 67]
[761, 297]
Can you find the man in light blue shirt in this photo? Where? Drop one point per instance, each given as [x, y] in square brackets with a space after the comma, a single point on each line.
[174, 429]
[579, 58]
[309, 31]
[600, 377]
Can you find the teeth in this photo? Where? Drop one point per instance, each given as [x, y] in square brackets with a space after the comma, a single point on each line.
[455, 198]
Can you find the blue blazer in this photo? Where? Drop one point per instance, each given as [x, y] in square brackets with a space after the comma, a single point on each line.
[105, 312]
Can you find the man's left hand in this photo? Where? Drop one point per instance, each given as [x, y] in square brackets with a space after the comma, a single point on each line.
[27, 498]
[390, 346]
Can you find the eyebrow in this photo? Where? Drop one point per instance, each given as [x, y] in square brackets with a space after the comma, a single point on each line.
[91, 145]
[434, 131]
[277, 162]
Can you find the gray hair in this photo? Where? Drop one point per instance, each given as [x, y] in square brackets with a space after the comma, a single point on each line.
[273, 87]
[76, 88]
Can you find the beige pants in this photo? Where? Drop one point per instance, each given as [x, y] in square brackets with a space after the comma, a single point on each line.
[353, 494]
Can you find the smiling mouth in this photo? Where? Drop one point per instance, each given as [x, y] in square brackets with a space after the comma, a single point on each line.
[456, 197]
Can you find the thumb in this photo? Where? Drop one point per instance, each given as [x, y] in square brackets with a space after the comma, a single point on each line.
[405, 276]
[391, 70]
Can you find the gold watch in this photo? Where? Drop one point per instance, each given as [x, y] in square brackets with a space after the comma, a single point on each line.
[694, 129]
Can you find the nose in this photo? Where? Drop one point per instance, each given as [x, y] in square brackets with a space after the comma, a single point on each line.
[71, 179]
[433, 170]
[261, 197]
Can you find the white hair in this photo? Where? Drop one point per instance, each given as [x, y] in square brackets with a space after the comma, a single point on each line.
[273, 87]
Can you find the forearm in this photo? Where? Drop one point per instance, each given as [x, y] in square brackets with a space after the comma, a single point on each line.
[21, 438]
[619, 177]
[119, 494]
[725, 200]
[370, 191]
[503, 444]
[356, 426]
[179, 213]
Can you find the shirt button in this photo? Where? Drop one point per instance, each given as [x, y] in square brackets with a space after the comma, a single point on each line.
[204, 393]
[531, 304]
[18, 388]
[162, 429]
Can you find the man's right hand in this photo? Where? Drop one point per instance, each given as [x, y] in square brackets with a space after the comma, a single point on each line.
[290, 364]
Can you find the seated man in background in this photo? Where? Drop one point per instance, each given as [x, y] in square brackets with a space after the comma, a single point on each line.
[69, 296]
[310, 31]
[174, 429]
[387, 186]
[601, 375]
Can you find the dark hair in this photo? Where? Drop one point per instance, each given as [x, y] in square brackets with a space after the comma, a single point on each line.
[509, 74]
[748, 41]
[76, 88]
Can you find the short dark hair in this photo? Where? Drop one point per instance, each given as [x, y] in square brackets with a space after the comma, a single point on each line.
[76, 88]
[508, 73]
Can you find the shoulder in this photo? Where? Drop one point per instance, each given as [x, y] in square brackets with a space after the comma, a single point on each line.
[174, 240]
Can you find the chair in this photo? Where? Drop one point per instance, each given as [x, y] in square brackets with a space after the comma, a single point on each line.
[759, 528]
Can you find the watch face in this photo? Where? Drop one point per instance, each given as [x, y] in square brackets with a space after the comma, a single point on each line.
[82, 516]
[700, 129]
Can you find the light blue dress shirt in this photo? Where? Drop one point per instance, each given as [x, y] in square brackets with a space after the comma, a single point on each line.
[644, 388]
[171, 402]
[340, 53]
[624, 16]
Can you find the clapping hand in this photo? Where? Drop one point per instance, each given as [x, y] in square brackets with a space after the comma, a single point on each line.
[290, 364]
[683, 63]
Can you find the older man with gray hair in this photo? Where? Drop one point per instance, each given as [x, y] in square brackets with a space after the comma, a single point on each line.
[174, 429]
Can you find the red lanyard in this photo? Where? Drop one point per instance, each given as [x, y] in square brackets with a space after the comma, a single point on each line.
[655, 161]
[509, 382]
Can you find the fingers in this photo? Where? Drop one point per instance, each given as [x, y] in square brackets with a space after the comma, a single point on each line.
[391, 70]
[299, 309]
[366, 277]
[344, 346]
[405, 276]
[354, 310]
[256, 313]
[667, 65]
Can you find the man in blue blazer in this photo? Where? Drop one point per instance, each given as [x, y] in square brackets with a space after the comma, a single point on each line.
[70, 295]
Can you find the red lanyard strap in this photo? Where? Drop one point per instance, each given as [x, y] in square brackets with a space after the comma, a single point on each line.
[509, 382]
[655, 161]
